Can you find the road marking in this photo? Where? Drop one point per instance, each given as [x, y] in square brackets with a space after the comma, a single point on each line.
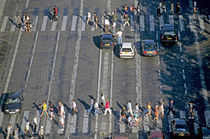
[159, 123]
[38, 120]
[161, 22]
[151, 21]
[146, 124]
[122, 127]
[191, 4]
[183, 74]
[35, 24]
[103, 124]
[12, 120]
[1, 118]
[4, 23]
[27, 3]
[207, 117]
[24, 121]
[171, 19]
[170, 118]
[141, 18]
[44, 23]
[121, 23]
[73, 123]
[68, 125]
[85, 122]
[200, 17]
[83, 19]
[93, 26]
[131, 23]
[105, 74]
[181, 23]
[54, 24]
[191, 22]
[73, 25]
[182, 114]
[63, 27]
[48, 126]
[135, 129]
[13, 24]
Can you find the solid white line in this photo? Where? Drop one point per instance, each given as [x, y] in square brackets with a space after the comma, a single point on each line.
[200, 17]
[13, 120]
[161, 22]
[121, 23]
[35, 24]
[191, 22]
[142, 23]
[83, 22]
[54, 24]
[48, 126]
[1, 118]
[44, 23]
[73, 123]
[27, 3]
[171, 19]
[73, 25]
[105, 73]
[2, 7]
[24, 121]
[13, 25]
[63, 27]
[181, 24]
[131, 23]
[85, 122]
[182, 114]
[38, 120]
[4, 23]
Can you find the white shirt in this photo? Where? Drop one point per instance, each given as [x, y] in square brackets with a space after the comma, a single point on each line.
[89, 15]
[129, 105]
[114, 25]
[106, 22]
[103, 99]
[96, 105]
[119, 33]
[74, 104]
[35, 120]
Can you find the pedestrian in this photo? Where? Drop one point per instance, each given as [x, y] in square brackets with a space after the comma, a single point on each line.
[16, 133]
[160, 6]
[107, 107]
[96, 107]
[19, 21]
[107, 25]
[194, 6]
[103, 101]
[132, 9]
[62, 121]
[161, 108]
[91, 105]
[138, 111]
[172, 7]
[149, 109]
[74, 107]
[126, 21]
[88, 17]
[41, 132]
[164, 6]
[129, 107]
[35, 123]
[126, 7]
[114, 24]
[123, 114]
[177, 7]
[156, 112]
[51, 111]
[27, 127]
[55, 13]
[60, 107]
[158, 12]
[171, 107]
[138, 8]
[114, 15]
[119, 35]
[44, 109]
[96, 20]
[9, 131]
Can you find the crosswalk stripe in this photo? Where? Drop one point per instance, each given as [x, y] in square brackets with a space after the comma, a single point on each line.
[24, 121]
[73, 123]
[83, 23]
[73, 25]
[131, 23]
[146, 123]
[54, 24]
[64, 22]
[161, 22]
[4, 23]
[159, 123]
[170, 118]
[182, 114]
[181, 23]
[85, 122]
[103, 124]
[207, 117]
[35, 24]
[135, 129]
[200, 18]
[38, 120]
[121, 23]
[1, 117]
[68, 125]
[151, 21]
[209, 17]
[13, 24]
[48, 126]
[141, 18]
[93, 26]
[191, 4]
[191, 23]
[44, 23]
[122, 127]
[171, 19]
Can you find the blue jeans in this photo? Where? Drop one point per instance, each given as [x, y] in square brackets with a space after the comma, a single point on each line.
[97, 111]
[91, 107]
[120, 40]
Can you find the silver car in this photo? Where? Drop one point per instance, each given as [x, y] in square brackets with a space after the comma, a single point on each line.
[127, 50]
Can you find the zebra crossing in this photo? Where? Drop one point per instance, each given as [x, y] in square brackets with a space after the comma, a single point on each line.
[71, 21]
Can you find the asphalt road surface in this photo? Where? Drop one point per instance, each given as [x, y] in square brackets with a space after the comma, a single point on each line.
[62, 61]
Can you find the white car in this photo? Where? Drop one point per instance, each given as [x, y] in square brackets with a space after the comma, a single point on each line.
[127, 50]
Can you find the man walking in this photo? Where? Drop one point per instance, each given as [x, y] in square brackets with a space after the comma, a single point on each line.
[107, 106]
[119, 35]
[35, 123]
[9, 131]
[44, 109]
[171, 107]
[16, 133]
[27, 132]
[91, 105]
[41, 132]
[74, 107]
[129, 107]
[96, 106]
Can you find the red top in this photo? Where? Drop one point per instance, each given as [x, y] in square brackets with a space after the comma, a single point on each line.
[56, 10]
[107, 104]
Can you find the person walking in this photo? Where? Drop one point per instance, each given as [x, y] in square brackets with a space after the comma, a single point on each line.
[91, 105]
[126, 21]
[106, 21]
[164, 6]
[103, 101]
[96, 20]
[171, 107]
[88, 17]
[44, 109]
[160, 6]
[194, 6]
[16, 133]
[156, 112]
[123, 114]
[27, 127]
[107, 107]
[41, 132]
[149, 109]
[158, 12]
[62, 121]
[35, 123]
[172, 7]
[177, 7]
[138, 111]
[55, 13]
[51, 111]
[60, 108]
[129, 107]
[119, 35]
[161, 108]
[96, 107]
[9, 131]
[19, 21]
[74, 107]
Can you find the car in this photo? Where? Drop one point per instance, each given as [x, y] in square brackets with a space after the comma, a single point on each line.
[149, 48]
[180, 128]
[155, 134]
[13, 102]
[205, 133]
[169, 34]
[106, 41]
[127, 50]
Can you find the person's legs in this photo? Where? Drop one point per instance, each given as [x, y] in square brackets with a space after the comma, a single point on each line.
[105, 111]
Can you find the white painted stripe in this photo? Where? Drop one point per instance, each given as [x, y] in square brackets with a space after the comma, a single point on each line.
[207, 117]
[171, 19]
[191, 22]
[48, 127]
[170, 118]
[27, 3]
[13, 25]
[63, 27]
[191, 4]
[38, 120]
[73, 123]
[13, 120]
[208, 17]
[1, 118]
[201, 22]
[196, 128]
[161, 22]
[181, 23]
[73, 25]
[122, 127]
[105, 74]
[24, 121]
[131, 23]
[35, 24]
[121, 23]
[83, 19]
[68, 125]
[103, 124]
[44, 23]
[146, 124]
[85, 122]
[93, 26]
[4, 23]
[54, 24]
[135, 129]
[182, 114]
[142, 22]
[159, 123]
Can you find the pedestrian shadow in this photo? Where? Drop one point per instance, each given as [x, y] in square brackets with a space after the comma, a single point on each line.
[67, 107]
[55, 109]
[48, 13]
[3, 132]
[117, 50]
[96, 40]
[119, 105]
[84, 104]
[13, 22]
[36, 106]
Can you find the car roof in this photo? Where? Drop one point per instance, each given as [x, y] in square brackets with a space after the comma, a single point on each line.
[126, 45]
[149, 42]
[180, 121]
[108, 36]
[155, 133]
[168, 27]
[14, 95]
[205, 131]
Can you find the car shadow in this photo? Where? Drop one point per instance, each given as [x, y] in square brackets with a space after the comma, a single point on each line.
[96, 40]
[2, 100]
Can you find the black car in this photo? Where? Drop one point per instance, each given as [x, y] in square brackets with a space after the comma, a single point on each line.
[180, 127]
[106, 41]
[13, 102]
[169, 34]
[149, 48]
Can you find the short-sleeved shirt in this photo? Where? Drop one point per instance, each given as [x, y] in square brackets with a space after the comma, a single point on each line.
[44, 106]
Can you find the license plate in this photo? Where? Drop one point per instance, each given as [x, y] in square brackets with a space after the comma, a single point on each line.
[107, 44]
[181, 134]
[149, 52]
[125, 52]
[169, 38]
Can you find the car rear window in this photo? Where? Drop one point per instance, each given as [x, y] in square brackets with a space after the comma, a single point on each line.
[126, 50]
[171, 33]
[107, 37]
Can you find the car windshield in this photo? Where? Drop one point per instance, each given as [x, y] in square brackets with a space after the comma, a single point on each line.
[171, 33]
[183, 127]
[149, 47]
[10, 101]
[126, 50]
